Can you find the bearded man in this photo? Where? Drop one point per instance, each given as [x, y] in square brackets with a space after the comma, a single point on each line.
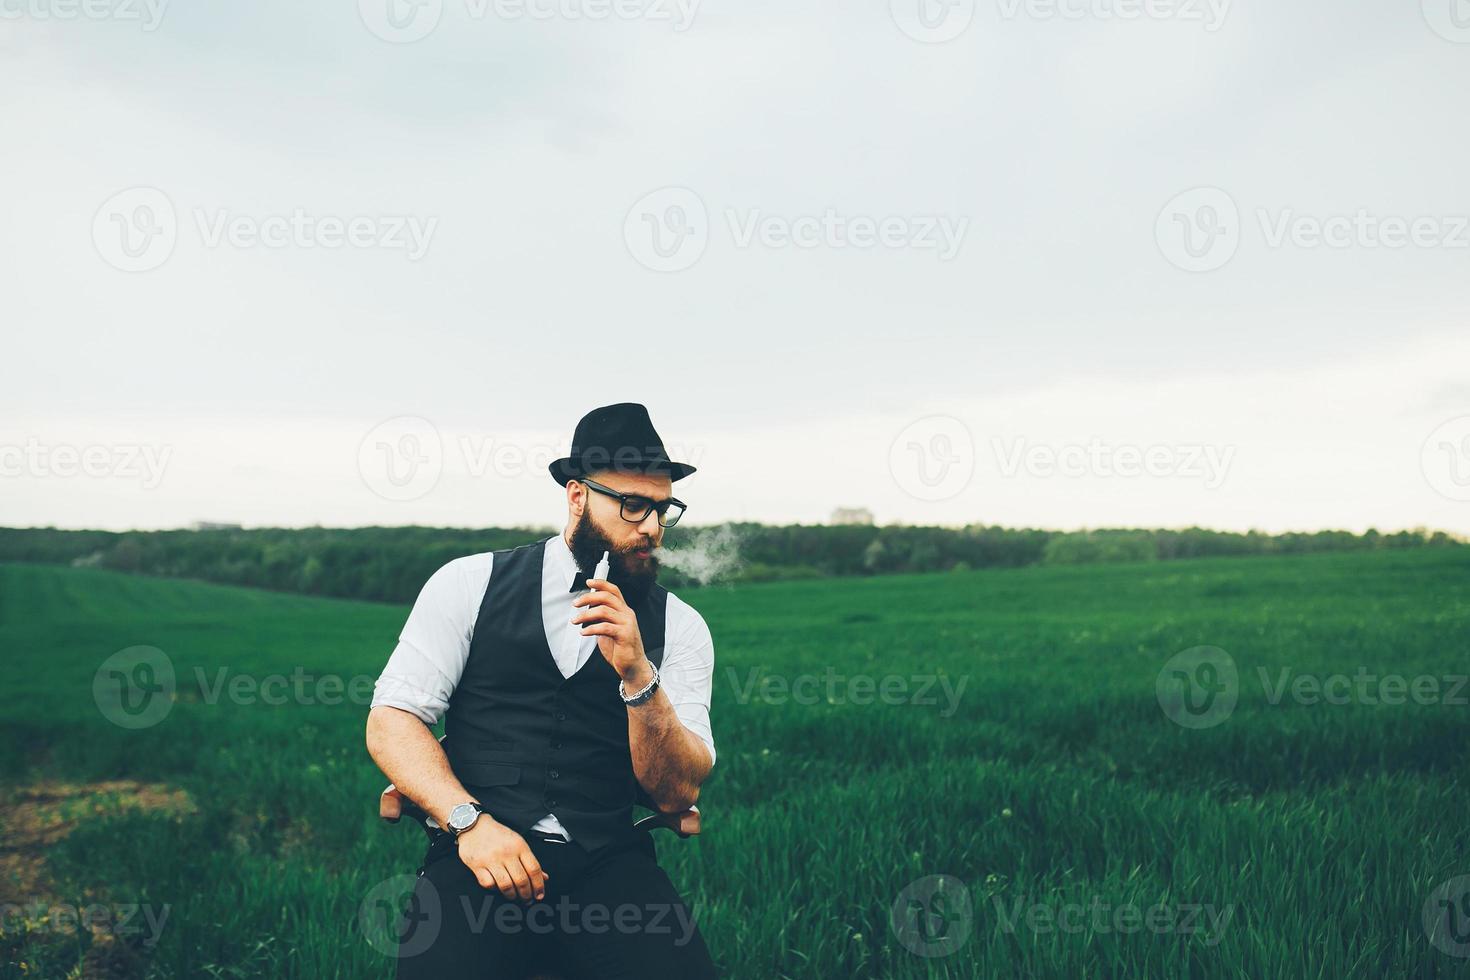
[566, 699]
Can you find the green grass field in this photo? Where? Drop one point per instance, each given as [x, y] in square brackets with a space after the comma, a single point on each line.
[1291, 839]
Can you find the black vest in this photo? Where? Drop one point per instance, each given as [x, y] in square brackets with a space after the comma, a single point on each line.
[527, 741]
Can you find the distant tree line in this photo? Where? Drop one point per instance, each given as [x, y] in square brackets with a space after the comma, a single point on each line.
[391, 563]
[379, 563]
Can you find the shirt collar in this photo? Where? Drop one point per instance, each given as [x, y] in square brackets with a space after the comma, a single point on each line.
[562, 562]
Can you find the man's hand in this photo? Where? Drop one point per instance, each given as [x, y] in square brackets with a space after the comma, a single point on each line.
[501, 858]
[608, 618]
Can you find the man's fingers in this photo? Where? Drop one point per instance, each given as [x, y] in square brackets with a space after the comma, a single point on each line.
[598, 616]
[534, 873]
[594, 615]
[503, 882]
[601, 629]
[522, 881]
[603, 585]
[599, 599]
[484, 877]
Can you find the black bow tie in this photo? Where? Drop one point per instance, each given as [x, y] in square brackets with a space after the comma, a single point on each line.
[579, 582]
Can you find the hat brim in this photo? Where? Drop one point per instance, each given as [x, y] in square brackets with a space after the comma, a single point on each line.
[570, 468]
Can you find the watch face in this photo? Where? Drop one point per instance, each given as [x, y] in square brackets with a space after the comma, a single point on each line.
[462, 816]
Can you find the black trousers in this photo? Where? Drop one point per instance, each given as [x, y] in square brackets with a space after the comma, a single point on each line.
[607, 914]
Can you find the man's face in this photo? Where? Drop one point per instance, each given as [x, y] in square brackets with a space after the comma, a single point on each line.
[602, 528]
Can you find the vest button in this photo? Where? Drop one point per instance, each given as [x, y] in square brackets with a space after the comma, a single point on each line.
[561, 716]
[551, 803]
[556, 745]
[554, 774]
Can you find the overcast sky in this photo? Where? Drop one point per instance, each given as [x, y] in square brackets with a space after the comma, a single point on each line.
[1095, 263]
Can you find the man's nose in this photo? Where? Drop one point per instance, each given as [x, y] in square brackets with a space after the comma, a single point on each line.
[650, 526]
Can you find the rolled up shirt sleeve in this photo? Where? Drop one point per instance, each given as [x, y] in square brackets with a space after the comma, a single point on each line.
[434, 644]
[688, 670]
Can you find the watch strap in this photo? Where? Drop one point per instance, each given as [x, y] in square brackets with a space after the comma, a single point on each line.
[643, 695]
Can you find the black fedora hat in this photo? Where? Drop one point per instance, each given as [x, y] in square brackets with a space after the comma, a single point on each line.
[616, 437]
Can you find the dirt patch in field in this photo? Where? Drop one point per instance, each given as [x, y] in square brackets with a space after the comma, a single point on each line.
[34, 818]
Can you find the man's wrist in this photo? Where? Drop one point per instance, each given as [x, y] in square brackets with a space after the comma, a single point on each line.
[640, 694]
[638, 676]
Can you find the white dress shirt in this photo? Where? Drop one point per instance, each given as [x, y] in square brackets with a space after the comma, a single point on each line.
[432, 649]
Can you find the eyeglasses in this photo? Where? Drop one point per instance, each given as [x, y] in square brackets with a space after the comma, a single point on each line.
[635, 509]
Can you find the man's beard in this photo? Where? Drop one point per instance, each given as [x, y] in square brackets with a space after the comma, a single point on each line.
[633, 576]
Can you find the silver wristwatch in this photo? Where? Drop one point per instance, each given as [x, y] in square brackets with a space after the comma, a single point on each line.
[643, 695]
[463, 817]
